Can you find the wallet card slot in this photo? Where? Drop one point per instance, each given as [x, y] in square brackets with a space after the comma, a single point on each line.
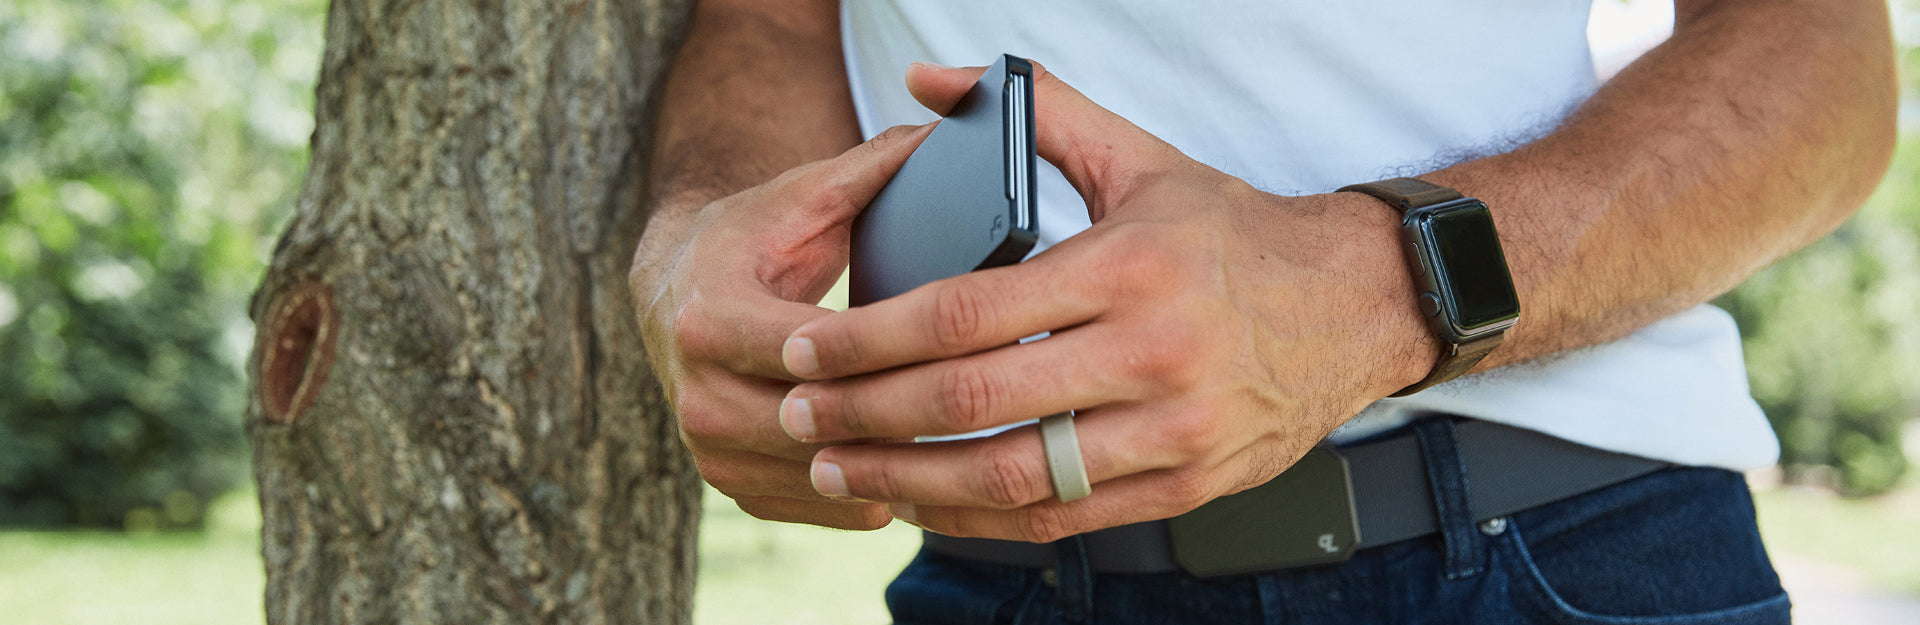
[1018, 115]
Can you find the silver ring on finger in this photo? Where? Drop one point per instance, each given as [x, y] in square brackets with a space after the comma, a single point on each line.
[1062, 447]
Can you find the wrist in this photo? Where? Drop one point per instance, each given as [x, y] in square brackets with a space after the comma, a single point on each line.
[1465, 290]
[1404, 346]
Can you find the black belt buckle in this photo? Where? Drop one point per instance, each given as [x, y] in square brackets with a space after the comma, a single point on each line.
[1305, 516]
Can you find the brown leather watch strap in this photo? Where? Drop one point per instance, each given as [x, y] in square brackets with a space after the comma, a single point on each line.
[1455, 362]
[1406, 193]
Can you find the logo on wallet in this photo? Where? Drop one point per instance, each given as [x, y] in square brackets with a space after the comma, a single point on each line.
[1326, 543]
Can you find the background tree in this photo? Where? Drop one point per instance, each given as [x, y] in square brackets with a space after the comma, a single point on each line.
[453, 420]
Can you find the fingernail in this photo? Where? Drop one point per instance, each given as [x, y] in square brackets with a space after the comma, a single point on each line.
[828, 480]
[930, 65]
[796, 417]
[799, 356]
[902, 511]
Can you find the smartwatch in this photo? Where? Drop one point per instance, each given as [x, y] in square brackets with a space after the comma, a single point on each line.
[1465, 290]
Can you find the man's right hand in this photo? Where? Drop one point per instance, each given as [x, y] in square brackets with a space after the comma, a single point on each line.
[717, 298]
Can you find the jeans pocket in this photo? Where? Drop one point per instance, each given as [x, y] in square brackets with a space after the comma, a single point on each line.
[1683, 551]
[940, 590]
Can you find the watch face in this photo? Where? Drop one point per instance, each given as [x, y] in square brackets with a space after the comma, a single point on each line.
[1475, 288]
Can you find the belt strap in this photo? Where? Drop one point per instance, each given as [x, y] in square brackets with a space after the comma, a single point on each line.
[1510, 469]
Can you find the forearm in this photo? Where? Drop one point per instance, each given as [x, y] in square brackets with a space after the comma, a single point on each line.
[1756, 129]
[758, 88]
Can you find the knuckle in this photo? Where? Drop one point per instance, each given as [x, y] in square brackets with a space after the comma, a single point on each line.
[837, 407]
[693, 331]
[846, 414]
[884, 486]
[837, 348]
[959, 318]
[791, 176]
[1158, 359]
[889, 136]
[1135, 246]
[832, 195]
[1146, 361]
[1179, 373]
[969, 397]
[1006, 480]
[1187, 488]
[701, 424]
[1152, 258]
[1043, 77]
[1192, 434]
[869, 518]
[875, 484]
[870, 147]
[718, 474]
[1168, 358]
[1042, 524]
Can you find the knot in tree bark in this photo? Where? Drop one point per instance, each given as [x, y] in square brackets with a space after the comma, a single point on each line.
[298, 338]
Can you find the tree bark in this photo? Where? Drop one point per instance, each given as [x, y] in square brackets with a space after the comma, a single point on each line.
[453, 419]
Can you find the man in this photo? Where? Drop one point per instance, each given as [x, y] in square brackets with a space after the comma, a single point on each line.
[1223, 309]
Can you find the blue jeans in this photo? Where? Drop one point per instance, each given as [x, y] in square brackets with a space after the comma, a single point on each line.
[1678, 546]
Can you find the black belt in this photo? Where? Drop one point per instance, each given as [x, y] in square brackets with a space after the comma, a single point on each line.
[1509, 470]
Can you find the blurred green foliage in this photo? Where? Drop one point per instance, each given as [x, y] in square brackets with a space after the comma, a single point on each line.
[145, 147]
[1832, 332]
[1832, 338]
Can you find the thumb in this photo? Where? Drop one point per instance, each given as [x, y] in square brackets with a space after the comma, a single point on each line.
[798, 222]
[1085, 140]
[834, 190]
[939, 87]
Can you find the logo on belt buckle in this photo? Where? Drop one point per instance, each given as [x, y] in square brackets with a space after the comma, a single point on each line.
[1302, 517]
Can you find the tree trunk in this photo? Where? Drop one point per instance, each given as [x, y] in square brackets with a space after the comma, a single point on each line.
[453, 421]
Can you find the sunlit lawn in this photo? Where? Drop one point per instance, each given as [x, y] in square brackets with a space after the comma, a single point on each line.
[209, 578]
[751, 571]
[1879, 538]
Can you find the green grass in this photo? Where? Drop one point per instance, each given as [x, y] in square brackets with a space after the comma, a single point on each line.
[751, 571]
[82, 578]
[1877, 537]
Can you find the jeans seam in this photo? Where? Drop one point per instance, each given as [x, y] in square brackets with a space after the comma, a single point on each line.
[1025, 599]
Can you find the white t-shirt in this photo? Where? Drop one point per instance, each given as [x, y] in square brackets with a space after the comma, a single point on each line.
[1305, 97]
